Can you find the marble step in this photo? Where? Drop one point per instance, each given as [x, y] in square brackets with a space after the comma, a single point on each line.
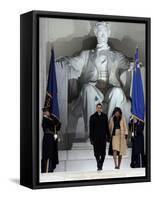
[89, 165]
[82, 145]
[88, 154]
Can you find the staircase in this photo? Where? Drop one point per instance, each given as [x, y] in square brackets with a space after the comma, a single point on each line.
[79, 164]
[81, 158]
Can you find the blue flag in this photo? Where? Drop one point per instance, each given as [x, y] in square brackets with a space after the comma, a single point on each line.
[51, 101]
[137, 108]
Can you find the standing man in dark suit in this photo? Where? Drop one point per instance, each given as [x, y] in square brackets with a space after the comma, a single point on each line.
[99, 134]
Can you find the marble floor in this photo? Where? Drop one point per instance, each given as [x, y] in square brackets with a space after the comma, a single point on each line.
[89, 175]
[79, 164]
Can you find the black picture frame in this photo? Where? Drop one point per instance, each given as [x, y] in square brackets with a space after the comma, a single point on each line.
[29, 98]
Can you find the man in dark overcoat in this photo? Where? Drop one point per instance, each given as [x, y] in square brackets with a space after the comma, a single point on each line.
[99, 134]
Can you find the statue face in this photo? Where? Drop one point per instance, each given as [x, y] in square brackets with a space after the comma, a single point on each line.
[102, 36]
[102, 32]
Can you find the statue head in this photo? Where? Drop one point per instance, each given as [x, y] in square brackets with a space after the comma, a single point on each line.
[102, 32]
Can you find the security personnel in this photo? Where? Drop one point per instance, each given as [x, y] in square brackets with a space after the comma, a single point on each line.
[138, 158]
[50, 125]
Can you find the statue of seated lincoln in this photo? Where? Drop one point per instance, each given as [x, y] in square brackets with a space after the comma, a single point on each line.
[95, 77]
